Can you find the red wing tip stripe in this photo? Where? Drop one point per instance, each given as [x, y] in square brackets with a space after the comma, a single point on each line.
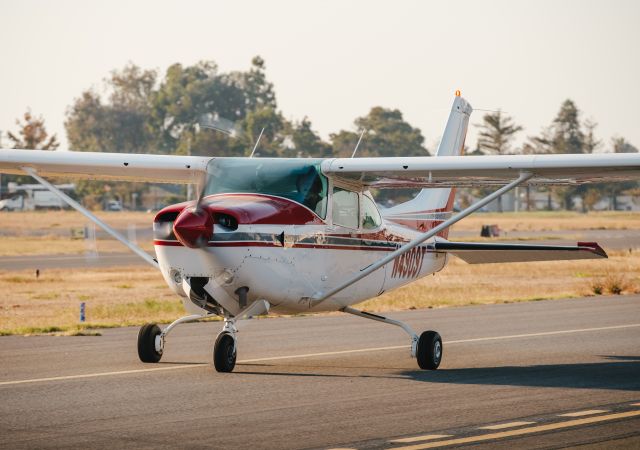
[594, 247]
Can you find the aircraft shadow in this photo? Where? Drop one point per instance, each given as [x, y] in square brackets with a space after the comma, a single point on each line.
[619, 373]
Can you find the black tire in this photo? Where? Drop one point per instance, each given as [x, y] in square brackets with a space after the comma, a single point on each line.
[147, 343]
[224, 353]
[430, 350]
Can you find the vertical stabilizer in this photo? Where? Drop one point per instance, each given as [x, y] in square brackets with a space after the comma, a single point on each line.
[431, 206]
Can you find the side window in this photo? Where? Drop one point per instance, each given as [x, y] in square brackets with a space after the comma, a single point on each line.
[370, 214]
[345, 208]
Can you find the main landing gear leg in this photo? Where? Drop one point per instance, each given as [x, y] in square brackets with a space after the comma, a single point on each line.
[426, 348]
[151, 339]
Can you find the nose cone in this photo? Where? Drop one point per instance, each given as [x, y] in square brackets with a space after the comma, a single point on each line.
[193, 228]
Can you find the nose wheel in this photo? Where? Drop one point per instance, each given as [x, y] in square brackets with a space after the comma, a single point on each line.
[429, 351]
[224, 352]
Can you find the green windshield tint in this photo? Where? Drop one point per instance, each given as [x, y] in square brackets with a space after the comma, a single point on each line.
[296, 179]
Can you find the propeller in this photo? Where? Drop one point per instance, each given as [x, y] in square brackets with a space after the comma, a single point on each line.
[194, 225]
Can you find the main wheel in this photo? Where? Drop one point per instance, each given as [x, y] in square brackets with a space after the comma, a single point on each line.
[147, 343]
[430, 349]
[224, 353]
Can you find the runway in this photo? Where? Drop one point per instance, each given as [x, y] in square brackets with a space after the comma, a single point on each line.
[543, 374]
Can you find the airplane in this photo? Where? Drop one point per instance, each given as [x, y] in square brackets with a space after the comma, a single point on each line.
[292, 235]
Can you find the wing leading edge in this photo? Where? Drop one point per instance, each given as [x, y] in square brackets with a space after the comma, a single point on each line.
[451, 171]
[484, 253]
[106, 166]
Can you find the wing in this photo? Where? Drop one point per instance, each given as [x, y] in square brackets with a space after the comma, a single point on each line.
[106, 166]
[483, 253]
[450, 171]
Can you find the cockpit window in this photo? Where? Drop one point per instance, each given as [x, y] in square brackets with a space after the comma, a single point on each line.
[299, 180]
[370, 214]
[345, 208]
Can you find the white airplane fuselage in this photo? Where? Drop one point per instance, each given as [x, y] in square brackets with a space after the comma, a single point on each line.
[284, 253]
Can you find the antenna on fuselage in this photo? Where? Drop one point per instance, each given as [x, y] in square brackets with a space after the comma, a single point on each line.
[256, 146]
[358, 144]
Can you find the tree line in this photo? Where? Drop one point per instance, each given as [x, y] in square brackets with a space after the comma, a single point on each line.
[200, 110]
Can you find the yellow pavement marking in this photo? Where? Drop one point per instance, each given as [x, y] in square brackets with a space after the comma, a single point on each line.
[523, 431]
[502, 426]
[426, 437]
[588, 412]
[311, 355]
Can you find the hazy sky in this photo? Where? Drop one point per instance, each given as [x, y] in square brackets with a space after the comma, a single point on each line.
[333, 60]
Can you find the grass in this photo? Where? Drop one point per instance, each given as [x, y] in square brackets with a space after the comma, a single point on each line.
[51, 303]
[131, 296]
[549, 221]
[462, 284]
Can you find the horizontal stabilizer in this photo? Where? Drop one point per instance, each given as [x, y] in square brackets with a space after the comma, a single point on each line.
[484, 253]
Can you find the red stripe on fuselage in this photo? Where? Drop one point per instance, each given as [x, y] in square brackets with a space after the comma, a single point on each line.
[271, 244]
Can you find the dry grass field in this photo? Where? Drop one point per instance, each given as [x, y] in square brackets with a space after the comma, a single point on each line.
[135, 295]
[549, 221]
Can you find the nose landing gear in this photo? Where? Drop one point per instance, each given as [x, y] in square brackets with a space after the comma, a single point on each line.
[151, 339]
[224, 350]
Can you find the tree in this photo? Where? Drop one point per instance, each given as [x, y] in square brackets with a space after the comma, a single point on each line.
[120, 124]
[188, 93]
[567, 135]
[497, 131]
[144, 114]
[621, 145]
[32, 134]
[387, 134]
[564, 135]
[306, 143]
[591, 143]
[273, 138]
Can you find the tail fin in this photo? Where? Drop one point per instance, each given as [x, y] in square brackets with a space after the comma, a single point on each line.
[432, 206]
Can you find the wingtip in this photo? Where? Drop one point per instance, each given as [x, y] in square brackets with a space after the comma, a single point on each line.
[594, 247]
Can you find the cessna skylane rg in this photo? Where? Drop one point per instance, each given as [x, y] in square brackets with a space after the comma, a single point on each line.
[305, 235]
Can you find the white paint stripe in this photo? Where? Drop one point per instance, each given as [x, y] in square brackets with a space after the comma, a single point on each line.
[588, 412]
[546, 333]
[311, 355]
[100, 374]
[426, 437]
[635, 404]
[502, 426]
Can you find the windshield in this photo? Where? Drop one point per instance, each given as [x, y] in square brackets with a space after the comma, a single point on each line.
[299, 179]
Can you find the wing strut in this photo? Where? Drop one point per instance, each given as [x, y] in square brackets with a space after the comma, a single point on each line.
[77, 206]
[322, 296]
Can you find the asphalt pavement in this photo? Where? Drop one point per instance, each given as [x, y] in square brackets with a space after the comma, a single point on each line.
[545, 374]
